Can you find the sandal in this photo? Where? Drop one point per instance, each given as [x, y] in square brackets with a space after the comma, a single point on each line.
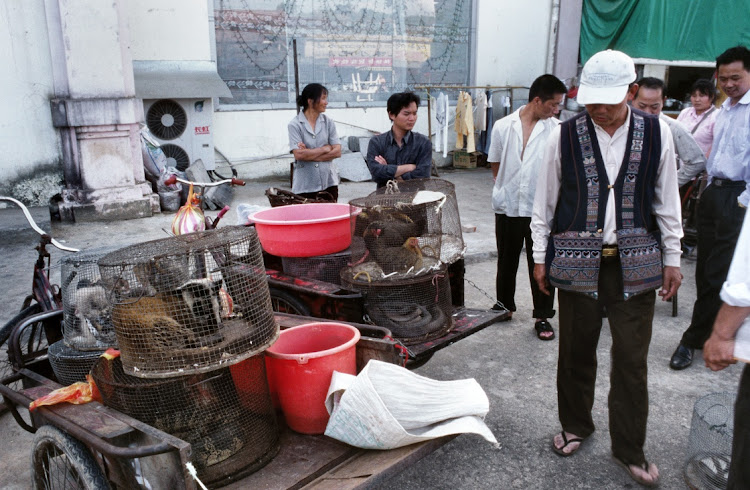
[543, 326]
[645, 466]
[566, 441]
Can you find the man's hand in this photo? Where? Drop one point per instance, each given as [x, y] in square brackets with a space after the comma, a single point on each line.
[301, 146]
[671, 280]
[381, 160]
[718, 353]
[540, 276]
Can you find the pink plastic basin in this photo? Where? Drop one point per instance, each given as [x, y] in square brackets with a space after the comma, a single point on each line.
[300, 366]
[305, 230]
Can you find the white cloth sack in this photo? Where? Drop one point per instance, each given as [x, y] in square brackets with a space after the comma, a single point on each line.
[386, 406]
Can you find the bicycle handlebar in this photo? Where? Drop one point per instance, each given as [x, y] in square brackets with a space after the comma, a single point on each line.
[173, 178]
[35, 227]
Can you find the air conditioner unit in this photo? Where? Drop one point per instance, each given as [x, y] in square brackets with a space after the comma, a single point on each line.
[183, 129]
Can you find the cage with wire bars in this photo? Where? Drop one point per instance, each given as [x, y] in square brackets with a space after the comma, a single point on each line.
[226, 415]
[71, 365]
[415, 309]
[710, 442]
[189, 303]
[87, 311]
[406, 229]
[320, 268]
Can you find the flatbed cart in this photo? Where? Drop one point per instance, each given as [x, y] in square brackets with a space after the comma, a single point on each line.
[104, 448]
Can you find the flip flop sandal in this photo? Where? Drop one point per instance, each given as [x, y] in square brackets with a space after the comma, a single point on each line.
[640, 480]
[541, 327]
[566, 441]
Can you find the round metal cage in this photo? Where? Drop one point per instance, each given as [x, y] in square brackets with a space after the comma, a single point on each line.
[710, 442]
[415, 309]
[226, 415]
[71, 365]
[189, 303]
[87, 310]
[407, 229]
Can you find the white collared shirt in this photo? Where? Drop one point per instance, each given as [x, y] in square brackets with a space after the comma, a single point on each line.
[666, 205]
[515, 185]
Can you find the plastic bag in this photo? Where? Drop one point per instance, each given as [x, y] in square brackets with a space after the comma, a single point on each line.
[245, 211]
[189, 217]
[154, 159]
[386, 406]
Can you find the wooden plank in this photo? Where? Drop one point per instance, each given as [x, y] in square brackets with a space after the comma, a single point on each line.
[371, 468]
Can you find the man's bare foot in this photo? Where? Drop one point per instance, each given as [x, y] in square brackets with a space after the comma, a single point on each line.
[566, 443]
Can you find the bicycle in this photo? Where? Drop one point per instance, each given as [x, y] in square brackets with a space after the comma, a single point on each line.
[25, 337]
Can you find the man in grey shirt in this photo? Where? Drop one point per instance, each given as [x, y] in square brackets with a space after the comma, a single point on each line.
[650, 98]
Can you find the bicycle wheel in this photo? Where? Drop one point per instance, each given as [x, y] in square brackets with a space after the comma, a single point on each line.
[59, 461]
[283, 302]
[6, 367]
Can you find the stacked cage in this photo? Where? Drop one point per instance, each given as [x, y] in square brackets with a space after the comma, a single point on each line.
[320, 268]
[87, 328]
[404, 239]
[192, 316]
[710, 442]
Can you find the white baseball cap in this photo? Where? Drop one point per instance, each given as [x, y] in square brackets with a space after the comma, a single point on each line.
[605, 78]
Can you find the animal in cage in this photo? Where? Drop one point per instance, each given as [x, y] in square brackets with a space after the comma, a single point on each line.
[188, 317]
[161, 275]
[93, 312]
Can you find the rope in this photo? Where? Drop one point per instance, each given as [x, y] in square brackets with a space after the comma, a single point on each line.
[435, 282]
[194, 474]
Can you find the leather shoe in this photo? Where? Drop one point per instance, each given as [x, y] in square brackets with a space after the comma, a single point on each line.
[682, 357]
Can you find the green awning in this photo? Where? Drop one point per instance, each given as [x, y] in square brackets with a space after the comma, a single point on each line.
[672, 30]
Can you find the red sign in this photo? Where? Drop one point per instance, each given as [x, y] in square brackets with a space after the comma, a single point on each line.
[202, 130]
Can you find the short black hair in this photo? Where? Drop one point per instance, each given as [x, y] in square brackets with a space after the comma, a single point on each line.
[652, 82]
[705, 87]
[546, 87]
[312, 91]
[737, 53]
[398, 101]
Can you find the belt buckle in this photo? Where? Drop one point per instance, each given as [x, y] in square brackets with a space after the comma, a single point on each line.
[719, 182]
[609, 251]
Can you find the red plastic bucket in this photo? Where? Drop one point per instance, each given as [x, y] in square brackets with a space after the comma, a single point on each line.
[305, 230]
[300, 365]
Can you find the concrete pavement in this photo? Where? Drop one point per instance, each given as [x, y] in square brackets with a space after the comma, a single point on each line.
[516, 369]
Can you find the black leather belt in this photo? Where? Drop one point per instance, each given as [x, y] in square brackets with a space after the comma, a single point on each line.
[727, 183]
[610, 251]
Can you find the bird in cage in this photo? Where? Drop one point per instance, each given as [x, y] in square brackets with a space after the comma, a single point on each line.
[400, 258]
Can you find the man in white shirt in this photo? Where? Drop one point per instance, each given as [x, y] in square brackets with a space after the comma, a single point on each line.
[607, 187]
[515, 156]
[718, 352]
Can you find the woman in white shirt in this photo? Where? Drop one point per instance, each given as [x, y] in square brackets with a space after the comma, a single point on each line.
[700, 118]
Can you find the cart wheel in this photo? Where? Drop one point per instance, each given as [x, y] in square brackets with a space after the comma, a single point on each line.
[59, 461]
[283, 302]
[6, 363]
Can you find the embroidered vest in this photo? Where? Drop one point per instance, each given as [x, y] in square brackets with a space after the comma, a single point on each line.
[574, 251]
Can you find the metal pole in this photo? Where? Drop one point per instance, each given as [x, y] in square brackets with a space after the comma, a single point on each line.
[296, 98]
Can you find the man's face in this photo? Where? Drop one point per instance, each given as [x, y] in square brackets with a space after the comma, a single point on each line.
[649, 100]
[611, 116]
[734, 80]
[406, 118]
[548, 108]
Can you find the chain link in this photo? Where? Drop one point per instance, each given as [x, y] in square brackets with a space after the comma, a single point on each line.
[497, 302]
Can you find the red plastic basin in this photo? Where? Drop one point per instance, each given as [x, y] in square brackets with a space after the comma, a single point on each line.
[300, 366]
[305, 230]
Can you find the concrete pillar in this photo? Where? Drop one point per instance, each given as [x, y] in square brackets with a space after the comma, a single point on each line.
[96, 112]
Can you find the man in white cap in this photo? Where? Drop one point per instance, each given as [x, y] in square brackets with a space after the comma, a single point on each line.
[606, 217]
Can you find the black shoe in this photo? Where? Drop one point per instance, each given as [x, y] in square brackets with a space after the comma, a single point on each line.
[682, 357]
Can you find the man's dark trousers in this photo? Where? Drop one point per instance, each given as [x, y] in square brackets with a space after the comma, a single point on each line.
[719, 223]
[630, 325]
[510, 235]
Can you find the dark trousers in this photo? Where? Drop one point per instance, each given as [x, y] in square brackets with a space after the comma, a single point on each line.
[510, 235]
[719, 223]
[739, 471]
[630, 325]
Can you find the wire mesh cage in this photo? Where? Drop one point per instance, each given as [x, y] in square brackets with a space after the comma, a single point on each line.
[189, 303]
[87, 310]
[321, 268]
[226, 415]
[407, 229]
[71, 365]
[415, 309]
[710, 442]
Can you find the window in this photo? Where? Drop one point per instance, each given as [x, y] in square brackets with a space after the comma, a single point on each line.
[360, 50]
